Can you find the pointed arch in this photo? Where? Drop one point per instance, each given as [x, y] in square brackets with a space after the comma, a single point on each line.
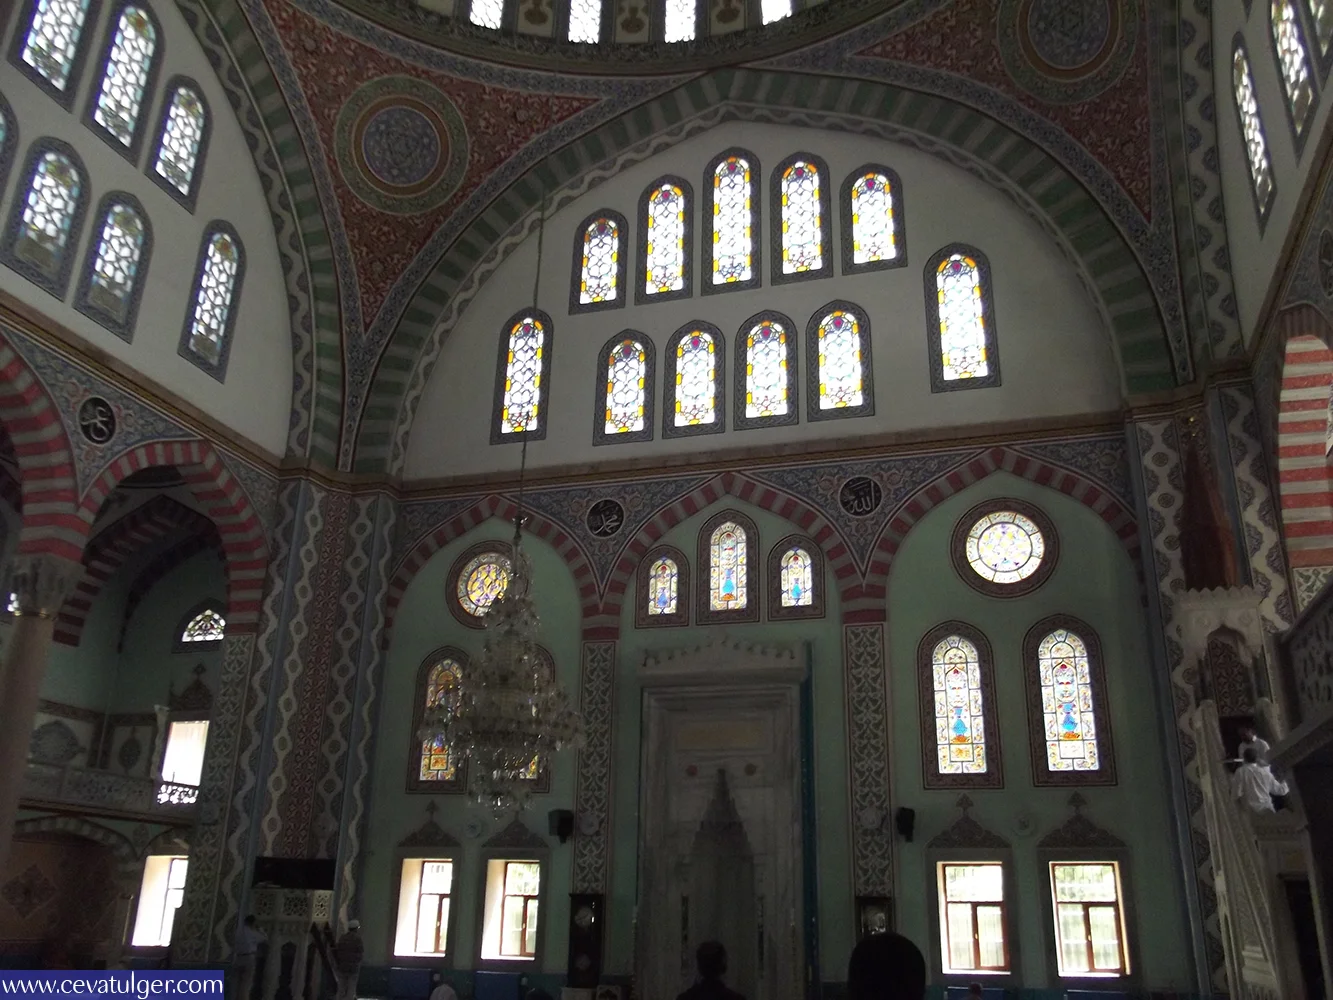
[874, 221]
[600, 263]
[115, 265]
[523, 378]
[429, 768]
[732, 237]
[625, 379]
[960, 738]
[180, 143]
[765, 379]
[694, 398]
[118, 104]
[51, 43]
[53, 194]
[801, 219]
[839, 363]
[120, 845]
[960, 320]
[210, 317]
[662, 596]
[666, 241]
[201, 627]
[1069, 716]
[795, 584]
[729, 588]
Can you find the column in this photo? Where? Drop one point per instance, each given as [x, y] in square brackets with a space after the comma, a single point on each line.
[40, 583]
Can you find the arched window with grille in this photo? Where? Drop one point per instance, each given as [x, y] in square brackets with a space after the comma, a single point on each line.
[666, 227]
[432, 764]
[795, 579]
[116, 265]
[206, 339]
[204, 626]
[599, 263]
[731, 246]
[663, 589]
[694, 394]
[960, 741]
[487, 13]
[838, 363]
[1321, 19]
[585, 20]
[1262, 184]
[46, 216]
[128, 71]
[765, 372]
[960, 319]
[181, 143]
[50, 47]
[626, 373]
[680, 22]
[522, 378]
[728, 589]
[9, 139]
[874, 228]
[802, 224]
[1069, 718]
[1293, 68]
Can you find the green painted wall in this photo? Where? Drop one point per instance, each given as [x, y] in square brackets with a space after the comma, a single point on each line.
[1095, 581]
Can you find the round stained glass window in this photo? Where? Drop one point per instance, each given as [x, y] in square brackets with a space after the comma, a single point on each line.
[1005, 547]
[482, 579]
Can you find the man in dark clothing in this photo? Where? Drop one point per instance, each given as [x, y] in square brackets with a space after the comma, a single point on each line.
[711, 959]
[347, 955]
[886, 967]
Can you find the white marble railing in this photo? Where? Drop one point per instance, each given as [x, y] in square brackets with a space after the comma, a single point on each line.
[96, 789]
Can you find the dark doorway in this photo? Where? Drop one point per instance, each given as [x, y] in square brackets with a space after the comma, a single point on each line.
[1300, 901]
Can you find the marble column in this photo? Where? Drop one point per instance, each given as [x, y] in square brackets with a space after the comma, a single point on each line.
[40, 583]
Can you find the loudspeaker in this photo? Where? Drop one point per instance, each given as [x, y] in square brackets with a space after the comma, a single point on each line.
[560, 823]
[905, 820]
[585, 939]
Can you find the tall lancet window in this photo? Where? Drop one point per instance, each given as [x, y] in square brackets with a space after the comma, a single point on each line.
[585, 21]
[114, 274]
[766, 372]
[599, 263]
[801, 206]
[873, 234]
[838, 365]
[206, 339]
[1293, 63]
[50, 50]
[44, 220]
[625, 390]
[964, 350]
[664, 242]
[182, 140]
[1067, 714]
[727, 554]
[433, 766]
[663, 585]
[681, 20]
[126, 74]
[522, 381]
[960, 741]
[795, 579]
[693, 384]
[731, 222]
[1321, 16]
[1262, 185]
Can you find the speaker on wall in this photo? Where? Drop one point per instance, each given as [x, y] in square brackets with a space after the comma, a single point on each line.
[586, 932]
[905, 819]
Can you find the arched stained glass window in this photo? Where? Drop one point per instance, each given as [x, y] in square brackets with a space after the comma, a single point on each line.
[664, 224]
[775, 10]
[663, 591]
[694, 381]
[681, 17]
[798, 582]
[795, 579]
[44, 220]
[207, 626]
[50, 48]
[802, 195]
[1067, 704]
[958, 726]
[872, 220]
[213, 315]
[1293, 63]
[728, 581]
[963, 345]
[626, 392]
[1252, 128]
[181, 139]
[486, 13]
[522, 377]
[731, 222]
[114, 275]
[438, 762]
[585, 21]
[1321, 16]
[765, 387]
[125, 76]
[599, 263]
[838, 363]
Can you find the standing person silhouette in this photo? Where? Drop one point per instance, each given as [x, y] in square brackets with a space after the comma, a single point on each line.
[886, 967]
[711, 959]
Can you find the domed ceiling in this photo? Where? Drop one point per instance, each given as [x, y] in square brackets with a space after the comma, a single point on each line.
[427, 142]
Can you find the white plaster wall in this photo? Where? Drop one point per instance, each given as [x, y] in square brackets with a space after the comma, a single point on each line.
[1255, 256]
[255, 400]
[1055, 352]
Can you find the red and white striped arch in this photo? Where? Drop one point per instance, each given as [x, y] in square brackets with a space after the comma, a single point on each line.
[1305, 481]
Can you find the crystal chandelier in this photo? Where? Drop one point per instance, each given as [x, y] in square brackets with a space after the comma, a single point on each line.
[509, 712]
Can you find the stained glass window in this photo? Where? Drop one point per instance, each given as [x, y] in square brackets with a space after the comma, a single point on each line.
[696, 379]
[1321, 15]
[120, 97]
[437, 758]
[663, 587]
[1067, 704]
[481, 581]
[802, 221]
[626, 390]
[585, 21]
[601, 256]
[874, 236]
[521, 408]
[680, 17]
[213, 298]
[53, 39]
[1256, 146]
[1005, 547]
[962, 313]
[798, 579]
[182, 135]
[664, 264]
[960, 727]
[727, 567]
[840, 372]
[487, 13]
[775, 10]
[206, 626]
[1293, 61]
[48, 212]
[766, 359]
[733, 238]
[116, 265]
[1088, 923]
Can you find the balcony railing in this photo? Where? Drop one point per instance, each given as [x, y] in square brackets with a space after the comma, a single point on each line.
[107, 792]
[1307, 652]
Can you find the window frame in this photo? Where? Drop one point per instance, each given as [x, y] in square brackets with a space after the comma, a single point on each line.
[1262, 210]
[217, 369]
[1322, 60]
[754, 592]
[657, 19]
[564, 16]
[773, 580]
[543, 390]
[508, 18]
[669, 428]
[681, 616]
[9, 146]
[446, 852]
[1043, 776]
[622, 263]
[140, 899]
[934, 344]
[896, 199]
[1298, 137]
[210, 604]
[135, 147]
[931, 776]
[1020, 588]
[460, 613]
[756, 230]
[937, 859]
[740, 421]
[124, 329]
[416, 785]
[641, 297]
[1048, 856]
[65, 98]
[56, 284]
[600, 435]
[190, 199]
[812, 409]
[527, 852]
[825, 270]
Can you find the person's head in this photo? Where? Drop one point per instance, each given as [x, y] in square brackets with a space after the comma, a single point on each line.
[1247, 732]
[354, 926]
[974, 989]
[712, 960]
[250, 920]
[1250, 756]
[436, 978]
[886, 967]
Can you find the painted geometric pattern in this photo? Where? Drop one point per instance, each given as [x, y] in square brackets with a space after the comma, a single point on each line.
[592, 796]
[1305, 478]
[867, 744]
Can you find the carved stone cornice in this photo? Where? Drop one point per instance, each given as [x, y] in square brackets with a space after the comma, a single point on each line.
[723, 660]
[966, 832]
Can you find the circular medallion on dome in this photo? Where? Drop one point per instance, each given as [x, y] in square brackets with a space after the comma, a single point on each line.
[1004, 547]
[477, 578]
[401, 145]
[1067, 51]
[1068, 34]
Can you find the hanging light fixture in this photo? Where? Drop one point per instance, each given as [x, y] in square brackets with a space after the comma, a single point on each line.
[509, 711]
